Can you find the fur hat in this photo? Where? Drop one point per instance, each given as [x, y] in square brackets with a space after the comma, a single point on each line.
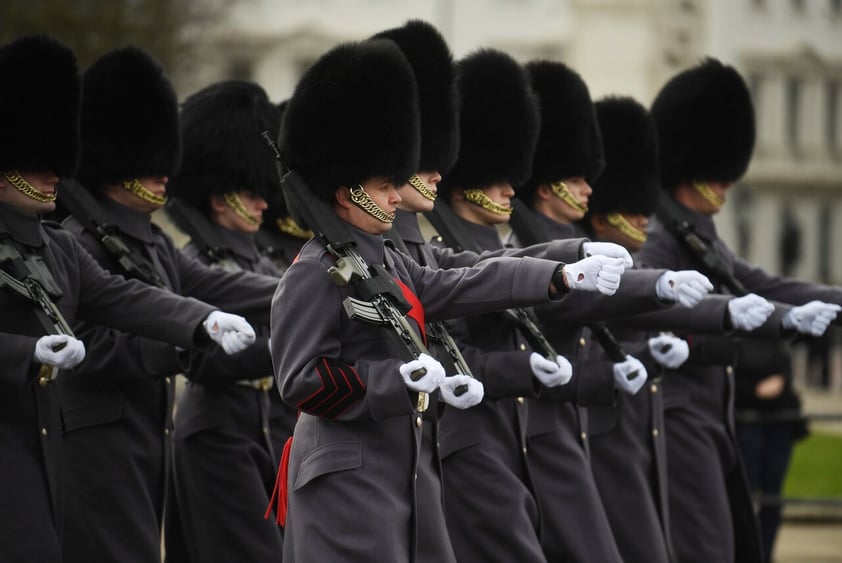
[39, 106]
[223, 150]
[569, 144]
[129, 120]
[705, 121]
[432, 63]
[498, 124]
[353, 116]
[630, 181]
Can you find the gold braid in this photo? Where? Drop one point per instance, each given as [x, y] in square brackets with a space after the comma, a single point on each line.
[27, 189]
[232, 200]
[704, 190]
[137, 188]
[622, 224]
[422, 187]
[362, 200]
[289, 226]
[561, 190]
[478, 197]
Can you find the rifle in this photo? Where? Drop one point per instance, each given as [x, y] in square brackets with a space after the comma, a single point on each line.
[529, 233]
[200, 230]
[382, 302]
[24, 281]
[680, 223]
[88, 212]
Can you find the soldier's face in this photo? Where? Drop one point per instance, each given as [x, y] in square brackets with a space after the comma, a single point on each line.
[384, 194]
[581, 192]
[605, 231]
[155, 184]
[44, 182]
[253, 204]
[499, 194]
[691, 197]
[413, 200]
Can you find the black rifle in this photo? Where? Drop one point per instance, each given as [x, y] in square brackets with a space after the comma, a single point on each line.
[382, 300]
[455, 236]
[679, 222]
[528, 234]
[202, 232]
[82, 205]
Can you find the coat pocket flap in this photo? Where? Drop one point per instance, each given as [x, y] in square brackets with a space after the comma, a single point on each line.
[328, 458]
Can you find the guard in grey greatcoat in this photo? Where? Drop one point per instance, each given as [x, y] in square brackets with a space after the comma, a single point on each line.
[117, 433]
[705, 122]
[360, 484]
[231, 423]
[31, 347]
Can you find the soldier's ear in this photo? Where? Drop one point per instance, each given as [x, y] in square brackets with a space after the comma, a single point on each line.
[217, 204]
[343, 197]
[543, 192]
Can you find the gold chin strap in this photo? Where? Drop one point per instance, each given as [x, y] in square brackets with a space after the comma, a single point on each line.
[562, 191]
[707, 194]
[232, 200]
[362, 200]
[27, 189]
[478, 197]
[422, 187]
[619, 222]
[289, 226]
[140, 191]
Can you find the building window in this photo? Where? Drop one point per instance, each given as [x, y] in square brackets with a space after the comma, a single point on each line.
[793, 105]
[832, 118]
[835, 7]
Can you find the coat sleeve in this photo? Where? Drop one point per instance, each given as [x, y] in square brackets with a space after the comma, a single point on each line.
[566, 250]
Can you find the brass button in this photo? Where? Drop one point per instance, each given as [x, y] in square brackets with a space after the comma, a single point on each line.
[166, 431]
[45, 372]
[522, 346]
[582, 342]
[44, 431]
[43, 381]
[584, 436]
[167, 380]
[520, 400]
[655, 432]
[439, 239]
[729, 370]
[265, 430]
[418, 421]
[654, 388]
[524, 450]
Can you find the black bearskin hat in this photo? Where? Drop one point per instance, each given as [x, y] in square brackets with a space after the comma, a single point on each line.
[569, 144]
[39, 106]
[498, 124]
[353, 116]
[223, 149]
[705, 121]
[630, 181]
[129, 120]
[432, 63]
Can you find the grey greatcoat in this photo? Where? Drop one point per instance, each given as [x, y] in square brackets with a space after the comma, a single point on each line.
[230, 428]
[30, 426]
[363, 483]
[710, 507]
[117, 406]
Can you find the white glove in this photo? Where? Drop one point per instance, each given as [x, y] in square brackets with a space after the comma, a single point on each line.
[608, 249]
[812, 318]
[428, 382]
[70, 354]
[630, 375]
[749, 311]
[686, 287]
[232, 332]
[550, 373]
[596, 273]
[668, 350]
[472, 396]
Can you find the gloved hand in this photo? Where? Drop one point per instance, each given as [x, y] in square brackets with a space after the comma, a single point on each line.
[686, 287]
[597, 273]
[630, 375]
[608, 249]
[749, 311]
[59, 350]
[550, 373]
[472, 396]
[232, 332]
[428, 382]
[812, 318]
[668, 350]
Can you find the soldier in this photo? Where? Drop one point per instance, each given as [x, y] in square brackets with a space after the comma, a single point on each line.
[705, 123]
[117, 433]
[231, 422]
[357, 487]
[44, 117]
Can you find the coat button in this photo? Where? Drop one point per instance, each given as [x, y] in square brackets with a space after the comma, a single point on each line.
[729, 370]
[43, 381]
[166, 431]
[418, 421]
[654, 388]
[584, 436]
[582, 342]
[167, 380]
[522, 346]
[44, 431]
[524, 450]
[520, 400]
[655, 432]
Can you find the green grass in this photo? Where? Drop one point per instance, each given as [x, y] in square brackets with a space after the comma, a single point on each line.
[816, 468]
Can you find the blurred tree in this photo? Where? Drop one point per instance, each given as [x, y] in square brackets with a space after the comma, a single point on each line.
[171, 30]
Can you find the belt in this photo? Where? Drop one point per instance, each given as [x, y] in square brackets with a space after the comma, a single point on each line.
[262, 384]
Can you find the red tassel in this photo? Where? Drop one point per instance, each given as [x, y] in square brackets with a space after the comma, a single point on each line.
[278, 499]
